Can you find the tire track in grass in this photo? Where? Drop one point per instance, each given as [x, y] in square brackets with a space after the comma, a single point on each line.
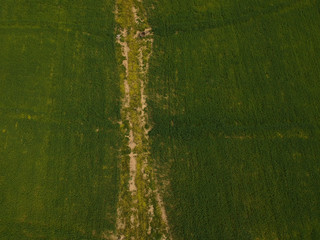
[141, 213]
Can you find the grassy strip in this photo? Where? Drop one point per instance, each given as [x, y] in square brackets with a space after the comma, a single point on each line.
[138, 212]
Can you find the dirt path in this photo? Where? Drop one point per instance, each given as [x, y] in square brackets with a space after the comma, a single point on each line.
[141, 213]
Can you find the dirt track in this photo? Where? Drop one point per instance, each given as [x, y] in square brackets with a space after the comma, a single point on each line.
[141, 213]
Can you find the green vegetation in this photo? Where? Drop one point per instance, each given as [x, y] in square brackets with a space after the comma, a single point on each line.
[59, 103]
[139, 212]
[234, 95]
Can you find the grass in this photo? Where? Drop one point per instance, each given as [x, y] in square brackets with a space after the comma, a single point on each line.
[59, 103]
[139, 215]
[234, 97]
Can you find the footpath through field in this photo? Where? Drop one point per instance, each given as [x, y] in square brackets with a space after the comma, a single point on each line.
[141, 214]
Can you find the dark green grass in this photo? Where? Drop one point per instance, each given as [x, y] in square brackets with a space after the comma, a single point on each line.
[234, 97]
[58, 107]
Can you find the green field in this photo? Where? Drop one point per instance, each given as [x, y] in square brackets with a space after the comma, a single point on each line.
[233, 97]
[59, 98]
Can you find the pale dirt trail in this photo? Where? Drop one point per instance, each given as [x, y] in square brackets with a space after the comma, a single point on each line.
[141, 213]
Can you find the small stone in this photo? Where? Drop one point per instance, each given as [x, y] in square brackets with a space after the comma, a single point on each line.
[142, 34]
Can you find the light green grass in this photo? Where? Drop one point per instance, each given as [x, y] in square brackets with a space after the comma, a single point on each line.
[59, 103]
